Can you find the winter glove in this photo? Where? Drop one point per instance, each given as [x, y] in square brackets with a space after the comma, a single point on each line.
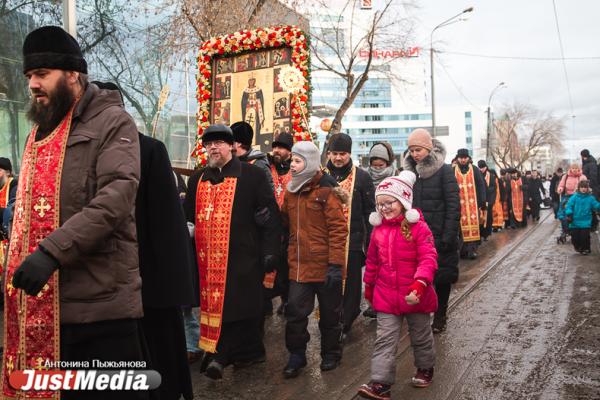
[369, 293]
[569, 219]
[333, 277]
[270, 263]
[34, 272]
[484, 207]
[262, 216]
[417, 286]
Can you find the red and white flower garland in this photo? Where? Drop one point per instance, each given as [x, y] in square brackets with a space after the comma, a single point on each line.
[262, 38]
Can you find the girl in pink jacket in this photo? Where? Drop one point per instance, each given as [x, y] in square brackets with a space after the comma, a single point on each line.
[401, 264]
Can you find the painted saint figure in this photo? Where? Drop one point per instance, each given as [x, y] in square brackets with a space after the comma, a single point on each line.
[253, 111]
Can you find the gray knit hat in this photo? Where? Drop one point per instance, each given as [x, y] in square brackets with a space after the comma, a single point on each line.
[380, 151]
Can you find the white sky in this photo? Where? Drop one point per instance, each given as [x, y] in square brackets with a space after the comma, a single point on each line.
[519, 29]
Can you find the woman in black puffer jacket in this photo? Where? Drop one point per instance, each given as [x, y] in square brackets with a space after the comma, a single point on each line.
[435, 193]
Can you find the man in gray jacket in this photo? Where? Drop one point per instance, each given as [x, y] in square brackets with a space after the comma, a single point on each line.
[73, 287]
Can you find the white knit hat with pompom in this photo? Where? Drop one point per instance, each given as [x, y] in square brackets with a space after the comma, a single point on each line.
[401, 188]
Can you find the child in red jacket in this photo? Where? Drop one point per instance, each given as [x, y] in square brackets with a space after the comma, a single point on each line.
[401, 264]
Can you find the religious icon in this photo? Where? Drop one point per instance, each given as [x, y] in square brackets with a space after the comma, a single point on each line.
[262, 60]
[282, 109]
[223, 88]
[280, 56]
[224, 66]
[281, 126]
[253, 111]
[242, 63]
[276, 85]
[222, 112]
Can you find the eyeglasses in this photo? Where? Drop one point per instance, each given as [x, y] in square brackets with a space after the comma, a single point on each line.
[385, 205]
[215, 143]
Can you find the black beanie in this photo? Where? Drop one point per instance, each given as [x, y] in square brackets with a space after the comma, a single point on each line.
[243, 133]
[5, 164]
[462, 153]
[340, 142]
[481, 164]
[585, 153]
[53, 48]
[217, 132]
[285, 140]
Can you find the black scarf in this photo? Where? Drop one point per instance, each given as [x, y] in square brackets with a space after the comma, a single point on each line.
[339, 174]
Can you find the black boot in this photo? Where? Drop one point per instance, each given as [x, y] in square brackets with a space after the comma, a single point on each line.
[214, 370]
[294, 365]
[439, 323]
[329, 363]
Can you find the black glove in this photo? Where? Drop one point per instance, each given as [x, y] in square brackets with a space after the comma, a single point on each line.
[334, 276]
[484, 207]
[569, 218]
[34, 272]
[262, 216]
[270, 263]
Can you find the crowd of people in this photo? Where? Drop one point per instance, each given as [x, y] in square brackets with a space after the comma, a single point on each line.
[112, 256]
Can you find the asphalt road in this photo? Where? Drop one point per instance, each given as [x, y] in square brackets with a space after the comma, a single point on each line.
[530, 329]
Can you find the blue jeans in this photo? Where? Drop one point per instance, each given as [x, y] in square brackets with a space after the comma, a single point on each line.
[192, 329]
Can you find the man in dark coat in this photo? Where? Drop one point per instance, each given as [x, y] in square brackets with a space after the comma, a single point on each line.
[536, 188]
[436, 195]
[491, 183]
[237, 233]
[359, 185]
[473, 202]
[243, 136]
[165, 266]
[556, 177]
[589, 167]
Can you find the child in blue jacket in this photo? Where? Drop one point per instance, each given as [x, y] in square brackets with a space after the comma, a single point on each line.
[579, 215]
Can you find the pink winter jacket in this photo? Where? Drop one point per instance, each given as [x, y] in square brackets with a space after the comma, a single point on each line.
[569, 182]
[393, 264]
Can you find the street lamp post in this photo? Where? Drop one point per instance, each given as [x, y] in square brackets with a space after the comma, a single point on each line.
[489, 123]
[446, 22]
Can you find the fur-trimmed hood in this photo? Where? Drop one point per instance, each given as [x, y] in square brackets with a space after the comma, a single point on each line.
[430, 164]
[342, 194]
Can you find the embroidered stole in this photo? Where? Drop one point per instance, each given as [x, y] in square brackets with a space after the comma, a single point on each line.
[516, 193]
[280, 182]
[469, 214]
[32, 323]
[214, 206]
[5, 192]
[348, 185]
[498, 213]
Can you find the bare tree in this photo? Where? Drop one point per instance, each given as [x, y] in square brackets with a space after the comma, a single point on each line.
[522, 132]
[196, 21]
[347, 44]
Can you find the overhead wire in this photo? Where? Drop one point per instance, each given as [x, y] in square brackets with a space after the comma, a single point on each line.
[523, 58]
[562, 53]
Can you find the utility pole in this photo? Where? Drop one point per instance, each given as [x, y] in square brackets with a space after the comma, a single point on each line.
[446, 22]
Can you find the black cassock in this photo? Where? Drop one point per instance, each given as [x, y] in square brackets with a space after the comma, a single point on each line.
[165, 268]
[249, 243]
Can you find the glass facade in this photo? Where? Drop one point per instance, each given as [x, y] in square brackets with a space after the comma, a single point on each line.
[469, 131]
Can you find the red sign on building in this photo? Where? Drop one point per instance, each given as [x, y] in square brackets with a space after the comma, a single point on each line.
[399, 53]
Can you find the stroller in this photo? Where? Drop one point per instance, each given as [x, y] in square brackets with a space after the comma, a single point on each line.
[562, 217]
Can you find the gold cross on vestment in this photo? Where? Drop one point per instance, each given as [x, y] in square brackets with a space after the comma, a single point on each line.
[216, 294]
[39, 363]
[208, 209]
[41, 207]
[10, 364]
[279, 189]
